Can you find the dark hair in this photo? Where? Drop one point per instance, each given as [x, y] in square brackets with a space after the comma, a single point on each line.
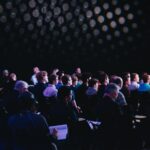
[101, 76]
[63, 92]
[65, 79]
[145, 78]
[92, 82]
[26, 101]
[125, 79]
[60, 74]
[52, 78]
[126, 75]
[133, 76]
[40, 75]
[74, 78]
[111, 88]
[117, 80]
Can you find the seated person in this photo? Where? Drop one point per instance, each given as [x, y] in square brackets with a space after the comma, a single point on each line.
[51, 91]
[109, 114]
[63, 111]
[91, 99]
[28, 130]
[145, 86]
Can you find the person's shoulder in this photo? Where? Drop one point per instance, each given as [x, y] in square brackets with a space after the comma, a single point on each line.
[13, 119]
[38, 114]
[121, 94]
[37, 117]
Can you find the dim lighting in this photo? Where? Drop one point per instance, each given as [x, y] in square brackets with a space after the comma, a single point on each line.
[101, 19]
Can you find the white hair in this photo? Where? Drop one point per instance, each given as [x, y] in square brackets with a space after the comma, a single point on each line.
[112, 87]
[20, 84]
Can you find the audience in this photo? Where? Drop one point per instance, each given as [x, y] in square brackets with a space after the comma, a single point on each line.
[26, 110]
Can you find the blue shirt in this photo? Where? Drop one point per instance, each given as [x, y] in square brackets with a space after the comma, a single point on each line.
[144, 87]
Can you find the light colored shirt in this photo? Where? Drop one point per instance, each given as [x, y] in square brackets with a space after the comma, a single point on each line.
[134, 86]
[50, 91]
[34, 79]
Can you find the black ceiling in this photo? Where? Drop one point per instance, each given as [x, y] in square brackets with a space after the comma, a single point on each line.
[112, 35]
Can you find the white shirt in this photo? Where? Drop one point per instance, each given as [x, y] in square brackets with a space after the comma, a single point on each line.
[34, 79]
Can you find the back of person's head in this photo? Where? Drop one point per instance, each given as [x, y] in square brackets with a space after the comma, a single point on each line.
[134, 77]
[126, 74]
[21, 86]
[85, 77]
[79, 76]
[5, 73]
[111, 87]
[74, 78]
[126, 80]
[63, 93]
[60, 74]
[92, 82]
[117, 80]
[54, 71]
[66, 79]
[53, 78]
[111, 78]
[102, 77]
[146, 78]
[27, 101]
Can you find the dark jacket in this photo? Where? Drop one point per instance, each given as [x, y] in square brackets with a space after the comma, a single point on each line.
[29, 131]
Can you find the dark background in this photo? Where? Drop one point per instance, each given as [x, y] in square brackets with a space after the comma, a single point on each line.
[106, 35]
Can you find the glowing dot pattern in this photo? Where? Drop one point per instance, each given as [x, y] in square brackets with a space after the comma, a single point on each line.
[79, 28]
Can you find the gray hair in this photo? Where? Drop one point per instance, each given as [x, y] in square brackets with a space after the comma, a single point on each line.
[118, 80]
[112, 87]
[20, 84]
